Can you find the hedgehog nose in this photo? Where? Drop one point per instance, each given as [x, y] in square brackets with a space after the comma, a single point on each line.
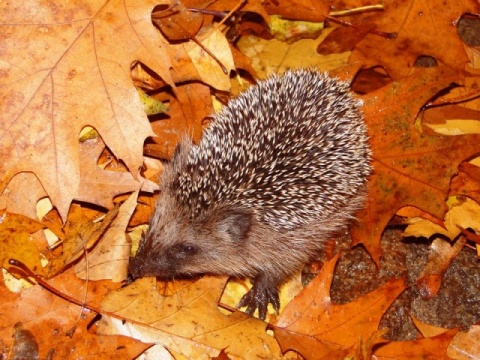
[135, 267]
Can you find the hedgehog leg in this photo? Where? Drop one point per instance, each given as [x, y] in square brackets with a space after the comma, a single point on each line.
[260, 295]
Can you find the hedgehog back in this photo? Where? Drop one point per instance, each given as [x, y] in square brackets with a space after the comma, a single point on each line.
[294, 149]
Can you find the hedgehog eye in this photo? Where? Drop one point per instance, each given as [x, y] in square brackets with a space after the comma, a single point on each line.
[190, 249]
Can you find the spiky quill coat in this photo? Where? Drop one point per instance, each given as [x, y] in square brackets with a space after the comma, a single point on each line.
[280, 169]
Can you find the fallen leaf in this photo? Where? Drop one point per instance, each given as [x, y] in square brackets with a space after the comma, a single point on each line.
[275, 56]
[463, 213]
[109, 259]
[466, 346]
[49, 318]
[410, 168]
[81, 234]
[16, 242]
[467, 182]
[429, 348]
[421, 29]
[318, 329]
[308, 10]
[189, 322]
[191, 105]
[65, 70]
[439, 259]
[177, 22]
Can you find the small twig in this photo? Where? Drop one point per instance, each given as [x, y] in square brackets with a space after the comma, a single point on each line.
[49, 287]
[357, 10]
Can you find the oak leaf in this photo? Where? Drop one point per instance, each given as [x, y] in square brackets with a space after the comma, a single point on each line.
[411, 167]
[49, 318]
[421, 29]
[188, 320]
[64, 68]
[318, 329]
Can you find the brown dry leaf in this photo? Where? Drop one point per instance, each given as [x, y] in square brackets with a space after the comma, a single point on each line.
[16, 200]
[463, 213]
[442, 115]
[16, 242]
[467, 182]
[422, 28]
[176, 22]
[439, 259]
[49, 318]
[410, 167]
[430, 348]
[100, 186]
[109, 259]
[413, 212]
[308, 10]
[344, 39]
[189, 322]
[207, 67]
[203, 52]
[466, 346]
[318, 329]
[64, 69]
[188, 108]
[254, 6]
[81, 234]
[97, 185]
[275, 56]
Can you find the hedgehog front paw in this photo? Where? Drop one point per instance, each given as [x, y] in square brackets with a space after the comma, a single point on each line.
[259, 297]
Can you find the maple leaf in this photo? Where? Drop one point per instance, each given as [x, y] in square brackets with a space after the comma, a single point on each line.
[410, 167]
[65, 67]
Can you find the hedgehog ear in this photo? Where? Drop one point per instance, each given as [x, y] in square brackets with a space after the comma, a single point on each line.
[235, 225]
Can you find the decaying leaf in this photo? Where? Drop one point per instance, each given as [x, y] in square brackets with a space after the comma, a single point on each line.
[49, 317]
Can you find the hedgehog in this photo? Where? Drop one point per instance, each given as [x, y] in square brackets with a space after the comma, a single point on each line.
[282, 168]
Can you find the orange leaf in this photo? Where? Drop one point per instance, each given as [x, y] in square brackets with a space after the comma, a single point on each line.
[316, 328]
[16, 242]
[188, 320]
[429, 348]
[439, 259]
[49, 318]
[64, 69]
[410, 167]
[467, 182]
[422, 28]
